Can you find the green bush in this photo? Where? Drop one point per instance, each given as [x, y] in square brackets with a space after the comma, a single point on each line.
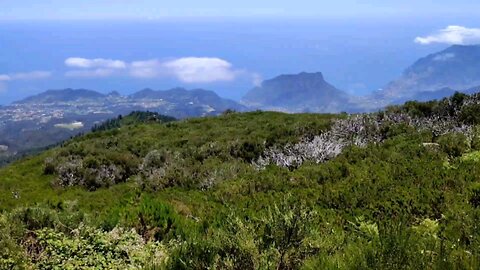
[395, 204]
[454, 144]
[12, 255]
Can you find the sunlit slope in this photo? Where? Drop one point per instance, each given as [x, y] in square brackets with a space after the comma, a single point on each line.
[398, 189]
[234, 136]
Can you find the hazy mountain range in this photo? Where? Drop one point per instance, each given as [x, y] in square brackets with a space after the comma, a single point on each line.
[297, 93]
[437, 75]
[433, 77]
[55, 115]
[177, 102]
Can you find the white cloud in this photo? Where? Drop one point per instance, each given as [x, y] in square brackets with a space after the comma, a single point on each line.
[94, 73]
[201, 69]
[77, 62]
[186, 69]
[22, 76]
[147, 69]
[33, 75]
[453, 34]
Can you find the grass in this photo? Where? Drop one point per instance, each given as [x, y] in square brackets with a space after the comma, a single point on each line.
[386, 206]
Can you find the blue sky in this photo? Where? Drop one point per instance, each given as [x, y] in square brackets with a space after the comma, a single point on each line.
[225, 46]
[141, 9]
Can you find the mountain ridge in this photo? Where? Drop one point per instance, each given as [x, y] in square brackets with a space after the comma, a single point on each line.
[61, 95]
[297, 93]
[456, 67]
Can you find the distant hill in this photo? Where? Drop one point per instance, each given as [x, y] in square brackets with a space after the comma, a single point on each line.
[136, 117]
[196, 98]
[56, 115]
[177, 102]
[457, 67]
[297, 93]
[427, 95]
[64, 95]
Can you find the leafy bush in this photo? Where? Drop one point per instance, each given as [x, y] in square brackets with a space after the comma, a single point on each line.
[92, 248]
[387, 198]
[475, 196]
[12, 255]
[282, 239]
[470, 114]
[454, 144]
[49, 166]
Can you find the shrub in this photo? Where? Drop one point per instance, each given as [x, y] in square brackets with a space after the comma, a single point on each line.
[70, 173]
[157, 220]
[49, 166]
[247, 151]
[153, 170]
[12, 255]
[470, 114]
[103, 176]
[475, 196]
[89, 248]
[454, 144]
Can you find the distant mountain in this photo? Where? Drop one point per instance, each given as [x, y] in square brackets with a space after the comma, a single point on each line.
[64, 95]
[304, 92]
[190, 98]
[56, 115]
[457, 67]
[177, 102]
[436, 95]
[472, 90]
[427, 95]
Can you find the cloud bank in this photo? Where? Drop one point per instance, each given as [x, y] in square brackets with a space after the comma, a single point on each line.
[93, 68]
[452, 34]
[33, 75]
[78, 62]
[201, 70]
[147, 69]
[185, 69]
[22, 76]
[94, 73]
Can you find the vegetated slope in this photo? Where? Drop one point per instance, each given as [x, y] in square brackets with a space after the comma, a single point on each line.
[398, 189]
[48, 137]
[53, 116]
[134, 118]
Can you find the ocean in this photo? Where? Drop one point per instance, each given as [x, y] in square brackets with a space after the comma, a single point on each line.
[358, 55]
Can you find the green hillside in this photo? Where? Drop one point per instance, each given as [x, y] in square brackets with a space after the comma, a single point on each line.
[398, 189]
